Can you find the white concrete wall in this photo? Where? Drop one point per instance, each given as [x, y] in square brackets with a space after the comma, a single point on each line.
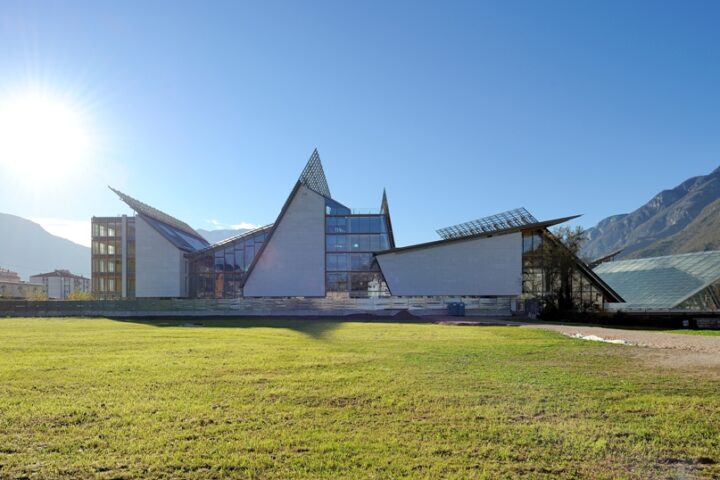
[159, 265]
[293, 262]
[483, 266]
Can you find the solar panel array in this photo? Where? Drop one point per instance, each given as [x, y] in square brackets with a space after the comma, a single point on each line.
[152, 212]
[313, 176]
[501, 221]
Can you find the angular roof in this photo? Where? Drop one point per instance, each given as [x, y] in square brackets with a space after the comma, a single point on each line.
[222, 243]
[177, 232]
[504, 231]
[179, 238]
[661, 282]
[385, 210]
[313, 176]
[156, 214]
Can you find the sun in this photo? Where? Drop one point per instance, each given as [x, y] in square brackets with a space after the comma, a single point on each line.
[42, 137]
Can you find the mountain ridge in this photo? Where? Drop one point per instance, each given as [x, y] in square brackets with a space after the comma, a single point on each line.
[29, 249]
[660, 226]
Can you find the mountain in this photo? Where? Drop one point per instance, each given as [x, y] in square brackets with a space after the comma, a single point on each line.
[214, 236]
[681, 220]
[28, 249]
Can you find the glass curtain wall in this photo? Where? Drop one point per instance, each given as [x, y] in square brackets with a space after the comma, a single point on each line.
[351, 270]
[537, 280]
[218, 272]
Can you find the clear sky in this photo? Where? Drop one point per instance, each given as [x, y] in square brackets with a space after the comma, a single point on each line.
[209, 110]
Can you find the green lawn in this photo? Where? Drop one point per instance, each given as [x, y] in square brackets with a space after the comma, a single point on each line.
[291, 399]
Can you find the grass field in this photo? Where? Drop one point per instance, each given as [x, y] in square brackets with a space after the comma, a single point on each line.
[279, 399]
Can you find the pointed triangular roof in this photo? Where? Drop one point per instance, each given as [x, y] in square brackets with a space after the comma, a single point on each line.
[385, 210]
[313, 176]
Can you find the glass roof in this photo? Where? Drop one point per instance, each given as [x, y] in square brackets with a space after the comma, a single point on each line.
[493, 223]
[661, 282]
[177, 237]
[313, 176]
[156, 214]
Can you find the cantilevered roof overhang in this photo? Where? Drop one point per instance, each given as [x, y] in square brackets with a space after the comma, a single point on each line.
[505, 231]
[610, 294]
[177, 232]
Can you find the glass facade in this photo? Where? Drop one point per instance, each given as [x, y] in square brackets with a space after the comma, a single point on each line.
[218, 272]
[539, 282]
[351, 270]
[350, 241]
[107, 257]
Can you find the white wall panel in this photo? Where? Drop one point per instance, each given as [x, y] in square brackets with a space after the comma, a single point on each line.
[159, 265]
[483, 266]
[293, 261]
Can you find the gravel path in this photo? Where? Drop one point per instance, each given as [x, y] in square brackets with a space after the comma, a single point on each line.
[642, 338]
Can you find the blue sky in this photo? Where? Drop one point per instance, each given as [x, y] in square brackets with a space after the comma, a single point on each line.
[209, 110]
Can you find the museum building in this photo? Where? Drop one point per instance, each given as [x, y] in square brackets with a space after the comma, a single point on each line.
[318, 247]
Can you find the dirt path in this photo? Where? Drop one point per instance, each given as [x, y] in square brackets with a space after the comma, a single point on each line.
[691, 353]
[642, 338]
[694, 354]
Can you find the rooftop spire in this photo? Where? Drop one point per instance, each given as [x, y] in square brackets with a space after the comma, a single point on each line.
[313, 176]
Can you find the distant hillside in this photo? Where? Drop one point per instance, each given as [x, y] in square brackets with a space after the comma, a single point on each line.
[214, 236]
[28, 249]
[681, 220]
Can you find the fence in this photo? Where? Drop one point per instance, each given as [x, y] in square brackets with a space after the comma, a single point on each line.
[253, 307]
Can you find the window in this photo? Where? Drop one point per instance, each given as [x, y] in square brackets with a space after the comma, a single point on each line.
[337, 243]
[337, 282]
[229, 260]
[337, 262]
[360, 261]
[360, 225]
[219, 262]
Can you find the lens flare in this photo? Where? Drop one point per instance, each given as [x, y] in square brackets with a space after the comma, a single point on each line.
[42, 138]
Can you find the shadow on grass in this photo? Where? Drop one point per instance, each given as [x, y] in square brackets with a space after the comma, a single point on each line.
[315, 327]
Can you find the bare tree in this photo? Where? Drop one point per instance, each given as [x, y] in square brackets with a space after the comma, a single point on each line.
[560, 251]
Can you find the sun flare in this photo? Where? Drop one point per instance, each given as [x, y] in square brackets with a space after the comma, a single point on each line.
[42, 137]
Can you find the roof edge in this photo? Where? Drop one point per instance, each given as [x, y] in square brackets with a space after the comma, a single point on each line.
[148, 210]
[531, 226]
[274, 227]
